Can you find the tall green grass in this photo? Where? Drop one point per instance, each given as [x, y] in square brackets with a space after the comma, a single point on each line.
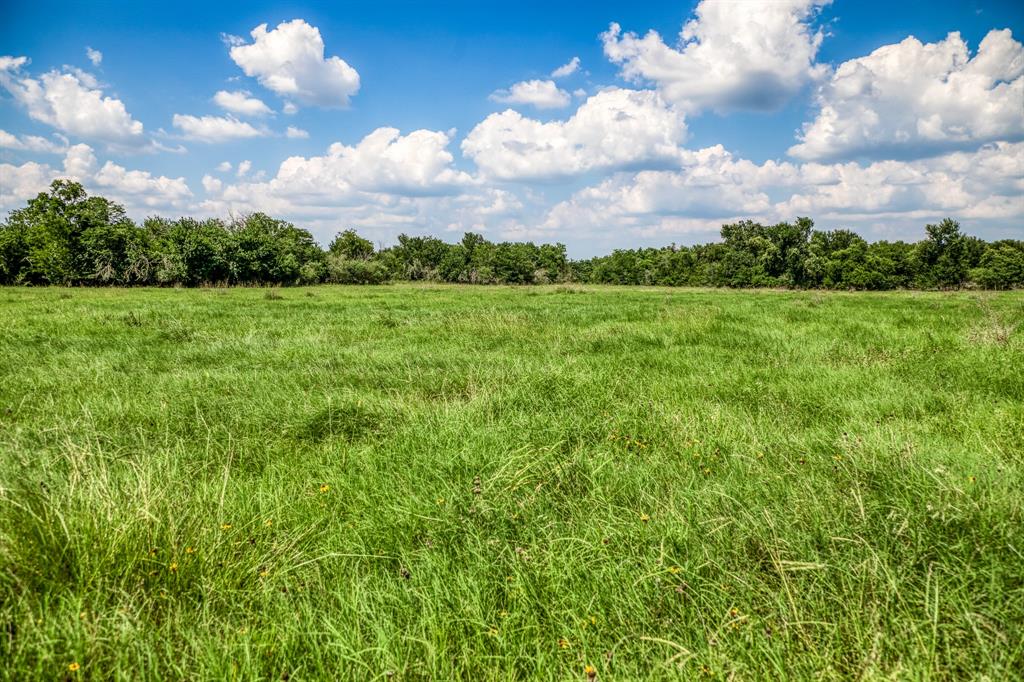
[416, 482]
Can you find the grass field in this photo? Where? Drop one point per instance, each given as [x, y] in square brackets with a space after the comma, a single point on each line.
[417, 482]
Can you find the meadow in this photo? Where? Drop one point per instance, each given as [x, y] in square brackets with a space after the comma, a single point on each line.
[415, 482]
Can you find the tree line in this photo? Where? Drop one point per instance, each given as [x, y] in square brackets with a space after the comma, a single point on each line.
[65, 237]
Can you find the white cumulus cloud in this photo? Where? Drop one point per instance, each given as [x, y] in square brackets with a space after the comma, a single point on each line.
[95, 56]
[386, 183]
[289, 60]
[915, 98]
[139, 191]
[541, 94]
[23, 182]
[385, 161]
[293, 133]
[32, 143]
[567, 69]
[712, 186]
[72, 103]
[754, 54]
[214, 129]
[241, 102]
[211, 184]
[139, 188]
[612, 129]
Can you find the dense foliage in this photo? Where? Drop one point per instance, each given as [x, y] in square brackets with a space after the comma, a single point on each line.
[66, 237]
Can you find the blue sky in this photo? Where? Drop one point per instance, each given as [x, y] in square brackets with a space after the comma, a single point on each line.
[674, 135]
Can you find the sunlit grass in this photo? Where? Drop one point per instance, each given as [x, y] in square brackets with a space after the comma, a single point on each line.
[416, 482]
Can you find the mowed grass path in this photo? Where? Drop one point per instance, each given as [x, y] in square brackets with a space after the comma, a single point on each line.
[425, 482]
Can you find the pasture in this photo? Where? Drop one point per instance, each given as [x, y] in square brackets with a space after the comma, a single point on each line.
[490, 483]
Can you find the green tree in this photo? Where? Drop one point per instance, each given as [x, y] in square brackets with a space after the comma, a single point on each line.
[188, 251]
[43, 242]
[838, 259]
[943, 256]
[349, 244]
[109, 253]
[552, 263]
[1001, 266]
[265, 250]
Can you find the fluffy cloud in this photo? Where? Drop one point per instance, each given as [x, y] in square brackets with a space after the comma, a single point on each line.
[289, 60]
[215, 128]
[95, 56]
[541, 94]
[915, 98]
[138, 188]
[387, 180]
[32, 143]
[612, 129]
[984, 184]
[211, 184]
[139, 191]
[713, 186]
[293, 133]
[710, 186]
[72, 103]
[750, 55]
[79, 162]
[567, 69]
[22, 182]
[383, 162]
[240, 102]
[385, 184]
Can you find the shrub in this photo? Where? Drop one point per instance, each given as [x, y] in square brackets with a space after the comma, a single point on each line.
[1001, 267]
[347, 271]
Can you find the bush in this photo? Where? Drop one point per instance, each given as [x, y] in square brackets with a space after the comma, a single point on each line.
[1001, 267]
[347, 271]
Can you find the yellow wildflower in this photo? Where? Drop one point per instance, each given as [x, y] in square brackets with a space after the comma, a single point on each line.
[324, 487]
[73, 666]
[173, 568]
[225, 526]
[590, 671]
